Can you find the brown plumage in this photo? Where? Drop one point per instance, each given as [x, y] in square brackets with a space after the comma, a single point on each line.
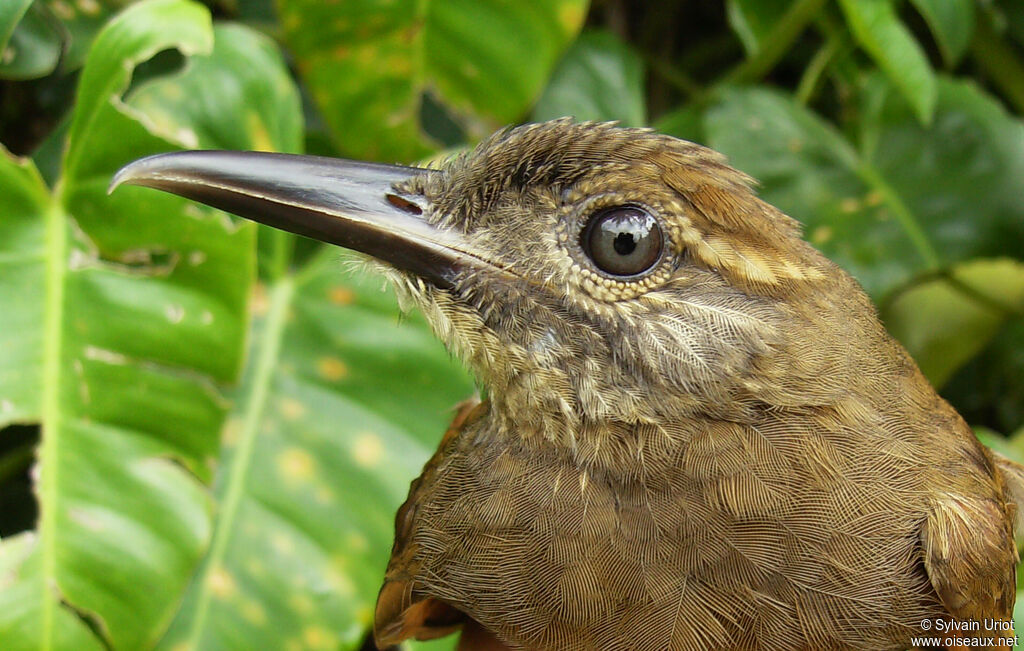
[722, 449]
[729, 453]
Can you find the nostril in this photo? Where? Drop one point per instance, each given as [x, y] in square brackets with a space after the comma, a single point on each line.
[404, 204]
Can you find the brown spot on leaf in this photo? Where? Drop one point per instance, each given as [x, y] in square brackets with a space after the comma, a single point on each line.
[341, 295]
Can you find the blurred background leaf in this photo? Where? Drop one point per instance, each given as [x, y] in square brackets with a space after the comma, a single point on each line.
[876, 26]
[341, 405]
[951, 23]
[599, 78]
[257, 405]
[377, 74]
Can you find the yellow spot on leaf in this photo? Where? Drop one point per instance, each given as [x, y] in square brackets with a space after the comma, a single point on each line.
[259, 303]
[172, 92]
[849, 205]
[174, 313]
[357, 542]
[324, 494]
[256, 567]
[367, 450]
[282, 544]
[341, 295]
[260, 137]
[62, 10]
[367, 55]
[296, 465]
[364, 614]
[291, 408]
[254, 613]
[317, 637]
[873, 198]
[344, 585]
[399, 65]
[331, 368]
[821, 234]
[88, 7]
[232, 431]
[87, 520]
[221, 583]
[300, 603]
[340, 577]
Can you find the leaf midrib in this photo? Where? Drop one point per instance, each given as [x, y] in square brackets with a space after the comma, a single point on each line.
[56, 244]
[269, 347]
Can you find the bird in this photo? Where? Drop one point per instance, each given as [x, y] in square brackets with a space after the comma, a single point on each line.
[695, 433]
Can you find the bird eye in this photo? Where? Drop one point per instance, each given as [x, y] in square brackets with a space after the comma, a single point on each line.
[622, 241]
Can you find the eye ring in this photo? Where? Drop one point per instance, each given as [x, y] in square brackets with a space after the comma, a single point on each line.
[623, 241]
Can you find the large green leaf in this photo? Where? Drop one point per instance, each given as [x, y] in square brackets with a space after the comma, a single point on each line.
[318, 454]
[240, 98]
[906, 199]
[878, 29]
[129, 316]
[600, 78]
[368, 66]
[340, 407]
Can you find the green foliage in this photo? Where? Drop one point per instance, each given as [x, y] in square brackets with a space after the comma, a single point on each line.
[229, 416]
[877, 28]
[369, 67]
[599, 78]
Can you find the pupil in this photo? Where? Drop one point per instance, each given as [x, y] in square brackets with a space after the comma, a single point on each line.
[624, 243]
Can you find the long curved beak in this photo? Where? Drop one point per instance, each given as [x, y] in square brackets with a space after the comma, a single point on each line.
[356, 205]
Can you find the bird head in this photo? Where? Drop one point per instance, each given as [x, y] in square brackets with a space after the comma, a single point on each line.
[588, 274]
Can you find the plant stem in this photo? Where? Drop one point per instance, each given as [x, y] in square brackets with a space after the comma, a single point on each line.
[811, 78]
[673, 75]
